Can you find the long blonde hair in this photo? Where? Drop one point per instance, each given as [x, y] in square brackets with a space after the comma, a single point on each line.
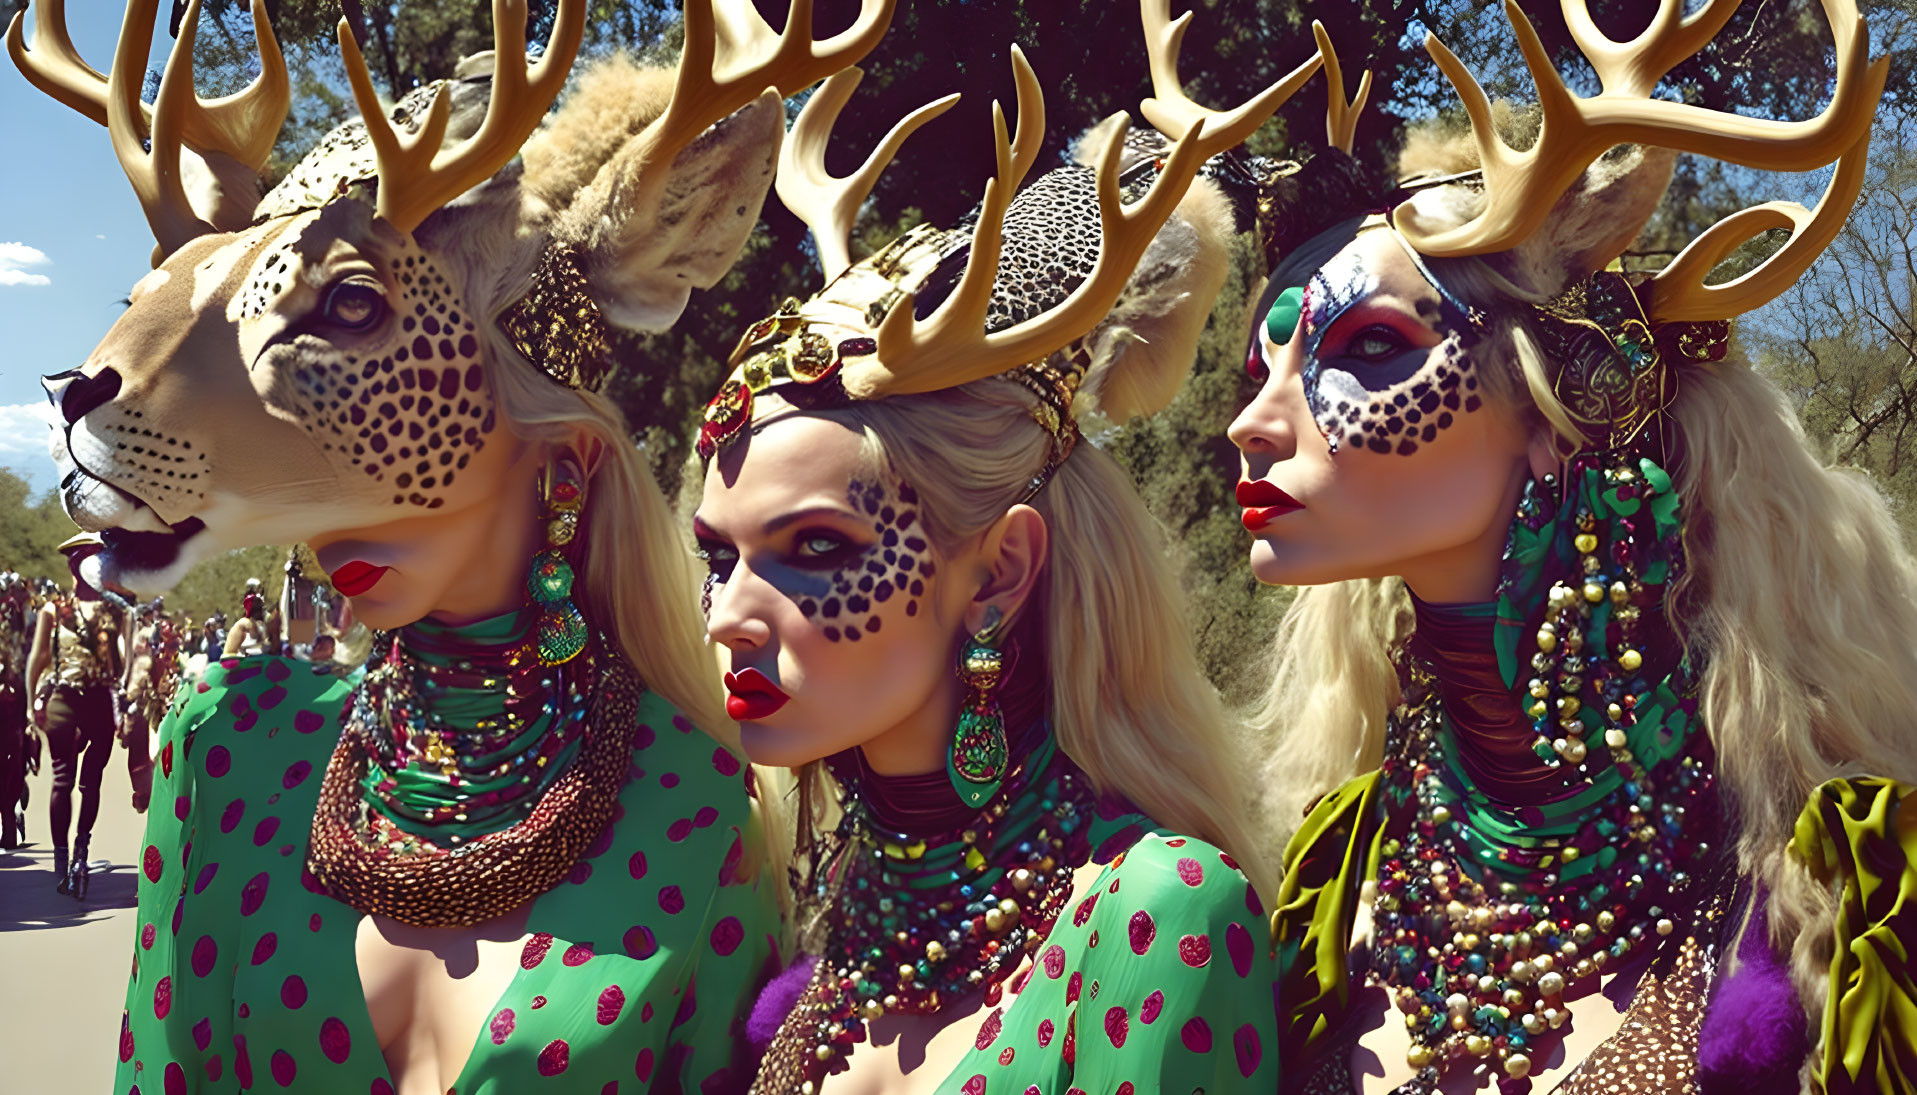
[1799, 605]
[1128, 702]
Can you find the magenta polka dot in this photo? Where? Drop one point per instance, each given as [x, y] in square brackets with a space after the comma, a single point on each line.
[679, 830]
[382, 1087]
[1045, 1030]
[1196, 1035]
[580, 873]
[643, 737]
[1143, 931]
[283, 1068]
[152, 863]
[1195, 950]
[307, 722]
[272, 698]
[230, 817]
[611, 1000]
[126, 1040]
[988, 1031]
[205, 953]
[242, 1062]
[705, 817]
[335, 1040]
[1148, 1011]
[501, 1026]
[1253, 905]
[727, 934]
[642, 1067]
[640, 943]
[725, 762]
[244, 722]
[636, 866]
[538, 1002]
[974, 1086]
[1054, 959]
[1191, 872]
[1084, 911]
[577, 955]
[645, 1012]
[293, 991]
[536, 949]
[1238, 945]
[147, 935]
[313, 923]
[1175, 842]
[729, 867]
[296, 774]
[203, 1034]
[206, 876]
[218, 761]
[671, 900]
[1113, 888]
[1250, 1051]
[669, 780]
[163, 998]
[1125, 1088]
[1072, 985]
[175, 1079]
[263, 832]
[182, 806]
[264, 949]
[253, 893]
[553, 1059]
[1117, 1025]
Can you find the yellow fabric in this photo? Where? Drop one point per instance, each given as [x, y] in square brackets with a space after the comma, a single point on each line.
[1853, 830]
[1329, 857]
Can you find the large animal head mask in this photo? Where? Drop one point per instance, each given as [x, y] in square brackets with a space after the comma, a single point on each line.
[328, 357]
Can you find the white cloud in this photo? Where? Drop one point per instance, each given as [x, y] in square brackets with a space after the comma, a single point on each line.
[14, 257]
[24, 440]
[98, 236]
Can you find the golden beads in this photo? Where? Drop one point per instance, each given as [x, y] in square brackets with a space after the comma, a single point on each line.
[1630, 660]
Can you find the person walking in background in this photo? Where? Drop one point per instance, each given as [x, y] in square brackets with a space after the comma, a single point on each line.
[76, 659]
[15, 755]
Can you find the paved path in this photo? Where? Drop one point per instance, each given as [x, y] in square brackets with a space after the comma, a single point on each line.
[63, 964]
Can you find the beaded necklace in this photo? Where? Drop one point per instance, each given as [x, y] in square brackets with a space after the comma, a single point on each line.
[434, 875]
[468, 729]
[1489, 911]
[915, 919]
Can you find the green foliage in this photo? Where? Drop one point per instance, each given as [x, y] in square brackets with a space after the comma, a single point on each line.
[30, 529]
[216, 584]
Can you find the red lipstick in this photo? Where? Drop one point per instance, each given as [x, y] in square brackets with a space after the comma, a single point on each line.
[753, 697]
[1264, 503]
[356, 577]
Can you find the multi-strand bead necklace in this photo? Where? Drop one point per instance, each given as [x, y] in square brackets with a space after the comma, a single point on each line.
[1487, 913]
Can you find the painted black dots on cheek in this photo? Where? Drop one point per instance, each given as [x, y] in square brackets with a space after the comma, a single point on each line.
[1400, 417]
[897, 565]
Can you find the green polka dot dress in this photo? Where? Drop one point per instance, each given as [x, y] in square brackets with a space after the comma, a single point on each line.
[638, 971]
[1159, 979]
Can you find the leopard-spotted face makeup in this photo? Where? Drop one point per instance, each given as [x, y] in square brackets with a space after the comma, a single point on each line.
[896, 565]
[1373, 382]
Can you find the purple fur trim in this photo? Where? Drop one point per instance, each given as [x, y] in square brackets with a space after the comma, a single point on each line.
[776, 1001]
[1753, 1041]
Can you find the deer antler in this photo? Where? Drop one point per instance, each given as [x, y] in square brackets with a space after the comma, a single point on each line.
[1522, 187]
[243, 125]
[416, 177]
[1680, 292]
[1341, 117]
[951, 346]
[829, 205]
[1171, 111]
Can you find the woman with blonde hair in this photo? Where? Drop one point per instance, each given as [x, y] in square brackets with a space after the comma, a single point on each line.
[1023, 879]
[1606, 796]
[519, 852]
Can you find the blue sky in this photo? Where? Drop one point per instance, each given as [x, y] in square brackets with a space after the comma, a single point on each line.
[72, 239]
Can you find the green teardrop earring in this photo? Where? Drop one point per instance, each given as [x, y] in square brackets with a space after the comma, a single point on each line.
[976, 762]
[560, 633]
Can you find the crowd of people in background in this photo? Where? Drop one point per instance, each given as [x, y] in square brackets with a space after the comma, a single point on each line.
[83, 671]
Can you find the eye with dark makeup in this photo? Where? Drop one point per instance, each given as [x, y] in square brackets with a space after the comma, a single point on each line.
[1376, 342]
[718, 556]
[823, 549]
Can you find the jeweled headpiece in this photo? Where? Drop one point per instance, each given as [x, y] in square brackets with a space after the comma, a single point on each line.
[1017, 291]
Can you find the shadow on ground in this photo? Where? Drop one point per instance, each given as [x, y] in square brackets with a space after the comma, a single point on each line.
[29, 901]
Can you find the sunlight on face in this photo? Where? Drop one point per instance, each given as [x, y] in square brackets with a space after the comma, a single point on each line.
[1369, 450]
[825, 590]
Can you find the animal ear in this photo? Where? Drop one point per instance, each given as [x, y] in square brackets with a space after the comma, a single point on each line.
[642, 260]
[1597, 219]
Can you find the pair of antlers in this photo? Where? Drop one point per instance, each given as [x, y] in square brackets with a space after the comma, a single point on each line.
[951, 346]
[1521, 188]
[731, 57]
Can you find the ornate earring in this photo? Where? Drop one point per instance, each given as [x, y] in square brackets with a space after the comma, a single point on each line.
[976, 762]
[560, 633]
